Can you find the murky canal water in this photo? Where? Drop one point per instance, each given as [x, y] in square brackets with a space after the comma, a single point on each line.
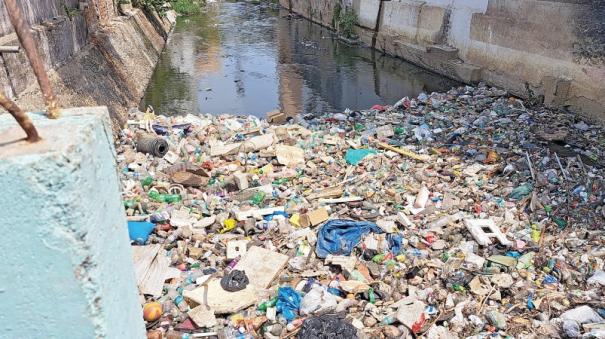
[244, 58]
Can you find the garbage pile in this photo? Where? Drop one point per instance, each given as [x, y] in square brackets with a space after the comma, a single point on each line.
[458, 214]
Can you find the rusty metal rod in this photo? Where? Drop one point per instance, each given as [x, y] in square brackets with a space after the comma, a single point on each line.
[27, 41]
[22, 118]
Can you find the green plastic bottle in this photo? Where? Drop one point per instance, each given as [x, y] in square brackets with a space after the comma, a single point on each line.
[258, 198]
[130, 203]
[265, 305]
[155, 195]
[371, 296]
[168, 198]
[458, 288]
[280, 181]
[172, 198]
[147, 181]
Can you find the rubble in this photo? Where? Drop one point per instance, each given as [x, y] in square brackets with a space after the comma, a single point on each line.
[458, 214]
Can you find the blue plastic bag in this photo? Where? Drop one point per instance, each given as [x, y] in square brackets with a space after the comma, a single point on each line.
[139, 231]
[288, 302]
[339, 236]
[395, 242]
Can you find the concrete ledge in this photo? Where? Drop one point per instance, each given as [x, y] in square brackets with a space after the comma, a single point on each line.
[69, 271]
[438, 59]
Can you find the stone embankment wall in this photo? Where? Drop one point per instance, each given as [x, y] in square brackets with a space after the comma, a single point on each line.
[548, 51]
[94, 55]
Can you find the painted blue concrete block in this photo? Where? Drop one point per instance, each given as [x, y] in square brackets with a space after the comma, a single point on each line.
[66, 264]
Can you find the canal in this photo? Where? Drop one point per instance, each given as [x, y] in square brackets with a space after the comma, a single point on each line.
[250, 58]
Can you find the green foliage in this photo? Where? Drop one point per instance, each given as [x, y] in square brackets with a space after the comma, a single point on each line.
[336, 15]
[123, 2]
[346, 22]
[186, 7]
[151, 5]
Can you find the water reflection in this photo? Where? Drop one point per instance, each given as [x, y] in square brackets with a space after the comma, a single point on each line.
[244, 58]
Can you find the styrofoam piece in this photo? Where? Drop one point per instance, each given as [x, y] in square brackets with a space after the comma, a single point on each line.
[483, 230]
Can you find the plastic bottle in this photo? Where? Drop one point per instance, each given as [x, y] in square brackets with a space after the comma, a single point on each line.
[147, 181]
[178, 299]
[422, 132]
[258, 197]
[339, 117]
[389, 319]
[174, 235]
[266, 304]
[168, 198]
[231, 265]
[414, 252]
[192, 276]
[234, 333]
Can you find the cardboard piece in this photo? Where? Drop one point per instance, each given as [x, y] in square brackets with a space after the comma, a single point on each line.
[409, 314]
[313, 218]
[276, 117]
[221, 301]
[241, 179]
[253, 144]
[236, 248]
[346, 262]
[203, 316]
[387, 224]
[332, 139]
[354, 286]
[289, 155]
[261, 266]
[152, 268]
[330, 192]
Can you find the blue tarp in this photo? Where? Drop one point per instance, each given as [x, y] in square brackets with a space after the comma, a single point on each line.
[339, 237]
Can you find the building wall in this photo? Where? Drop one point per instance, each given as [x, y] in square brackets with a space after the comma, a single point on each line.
[550, 51]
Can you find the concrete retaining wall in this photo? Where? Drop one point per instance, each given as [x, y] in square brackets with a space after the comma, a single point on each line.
[67, 267]
[94, 55]
[550, 51]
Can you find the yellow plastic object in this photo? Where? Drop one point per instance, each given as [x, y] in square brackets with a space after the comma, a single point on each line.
[228, 225]
[295, 219]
